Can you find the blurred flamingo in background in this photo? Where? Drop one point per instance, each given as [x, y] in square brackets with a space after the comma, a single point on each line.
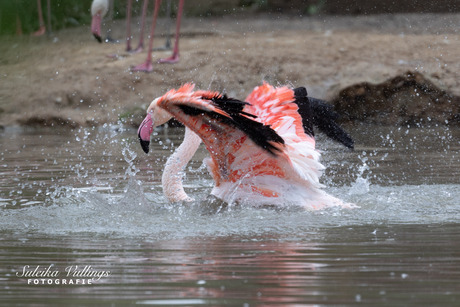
[99, 9]
[262, 150]
[41, 23]
[174, 58]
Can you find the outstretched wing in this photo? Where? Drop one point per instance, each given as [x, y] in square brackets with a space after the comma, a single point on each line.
[319, 113]
[324, 117]
[240, 147]
[276, 107]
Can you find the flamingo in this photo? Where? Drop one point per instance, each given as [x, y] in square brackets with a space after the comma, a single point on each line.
[262, 150]
[99, 9]
[147, 66]
[42, 28]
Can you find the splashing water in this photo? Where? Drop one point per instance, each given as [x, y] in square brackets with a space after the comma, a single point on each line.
[361, 185]
[101, 182]
[91, 197]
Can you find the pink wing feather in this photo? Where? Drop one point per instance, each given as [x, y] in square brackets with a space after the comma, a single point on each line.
[276, 107]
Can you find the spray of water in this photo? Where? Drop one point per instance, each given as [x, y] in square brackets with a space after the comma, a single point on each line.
[100, 182]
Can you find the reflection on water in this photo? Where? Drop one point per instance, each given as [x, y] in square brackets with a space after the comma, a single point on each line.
[376, 265]
[91, 198]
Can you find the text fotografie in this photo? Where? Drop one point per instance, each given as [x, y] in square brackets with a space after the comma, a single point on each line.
[72, 275]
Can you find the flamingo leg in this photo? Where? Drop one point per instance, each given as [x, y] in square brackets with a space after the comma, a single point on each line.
[140, 47]
[147, 65]
[41, 23]
[48, 7]
[18, 26]
[109, 38]
[128, 25]
[174, 58]
[167, 45]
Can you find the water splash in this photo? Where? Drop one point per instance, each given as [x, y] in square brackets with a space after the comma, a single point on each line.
[361, 184]
[109, 187]
[129, 155]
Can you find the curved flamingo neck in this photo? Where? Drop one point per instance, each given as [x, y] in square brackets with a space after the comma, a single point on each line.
[172, 174]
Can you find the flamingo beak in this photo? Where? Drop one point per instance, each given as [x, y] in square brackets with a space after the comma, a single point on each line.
[96, 26]
[145, 131]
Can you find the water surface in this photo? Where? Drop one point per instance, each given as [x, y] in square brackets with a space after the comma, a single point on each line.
[91, 198]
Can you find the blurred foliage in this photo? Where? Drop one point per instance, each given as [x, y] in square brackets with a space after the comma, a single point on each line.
[64, 14]
[67, 13]
[24, 13]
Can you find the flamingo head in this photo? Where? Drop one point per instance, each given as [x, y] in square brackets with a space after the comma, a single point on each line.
[156, 116]
[99, 9]
[96, 27]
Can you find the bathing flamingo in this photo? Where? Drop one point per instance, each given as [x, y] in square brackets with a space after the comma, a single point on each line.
[262, 150]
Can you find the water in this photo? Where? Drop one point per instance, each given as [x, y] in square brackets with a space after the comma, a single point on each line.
[88, 202]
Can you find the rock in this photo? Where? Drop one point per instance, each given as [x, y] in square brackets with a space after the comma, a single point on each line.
[407, 99]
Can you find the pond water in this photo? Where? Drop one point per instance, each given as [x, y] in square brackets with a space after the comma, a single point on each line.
[87, 206]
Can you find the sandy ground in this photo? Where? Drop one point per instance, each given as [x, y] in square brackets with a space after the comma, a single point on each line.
[69, 79]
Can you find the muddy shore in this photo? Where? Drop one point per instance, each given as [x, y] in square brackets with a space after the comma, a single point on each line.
[69, 79]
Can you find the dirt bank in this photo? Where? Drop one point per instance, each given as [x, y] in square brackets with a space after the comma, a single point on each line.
[69, 79]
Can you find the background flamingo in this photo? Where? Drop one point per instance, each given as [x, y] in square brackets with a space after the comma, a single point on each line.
[147, 66]
[262, 150]
[42, 28]
[41, 23]
[99, 9]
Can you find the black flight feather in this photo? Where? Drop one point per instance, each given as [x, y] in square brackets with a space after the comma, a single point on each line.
[317, 112]
[259, 133]
[305, 110]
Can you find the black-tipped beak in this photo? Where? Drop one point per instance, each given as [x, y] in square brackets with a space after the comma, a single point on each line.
[145, 131]
[98, 37]
[144, 144]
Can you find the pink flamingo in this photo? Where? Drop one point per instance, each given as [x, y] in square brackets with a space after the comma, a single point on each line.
[100, 7]
[41, 22]
[262, 151]
[174, 58]
[98, 10]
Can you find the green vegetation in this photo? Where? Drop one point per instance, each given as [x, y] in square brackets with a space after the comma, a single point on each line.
[64, 14]
[68, 13]
[16, 15]
[22, 15]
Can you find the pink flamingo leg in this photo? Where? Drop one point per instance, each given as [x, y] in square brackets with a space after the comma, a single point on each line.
[147, 65]
[140, 47]
[18, 26]
[128, 25]
[48, 4]
[41, 23]
[174, 58]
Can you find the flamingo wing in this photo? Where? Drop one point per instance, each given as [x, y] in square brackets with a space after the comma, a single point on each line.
[324, 117]
[277, 107]
[259, 149]
[240, 147]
